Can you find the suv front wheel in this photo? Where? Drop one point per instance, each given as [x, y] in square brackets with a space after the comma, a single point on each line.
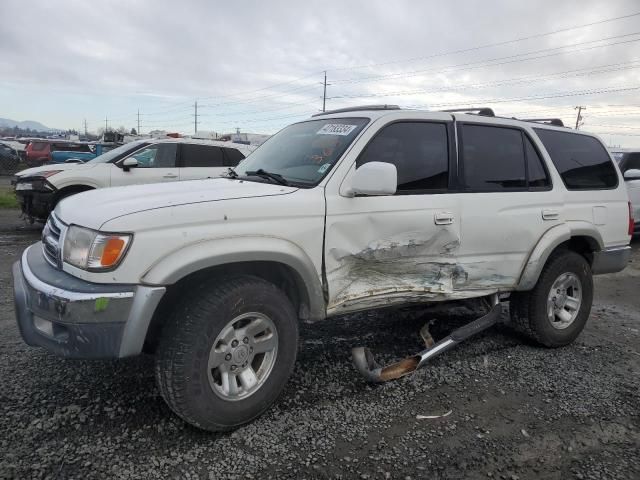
[555, 312]
[227, 351]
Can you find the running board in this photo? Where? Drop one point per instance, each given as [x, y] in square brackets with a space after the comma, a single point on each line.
[373, 372]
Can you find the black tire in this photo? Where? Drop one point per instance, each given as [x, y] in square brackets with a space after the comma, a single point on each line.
[181, 366]
[529, 309]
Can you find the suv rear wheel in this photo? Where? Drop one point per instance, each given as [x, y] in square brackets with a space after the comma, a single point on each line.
[556, 310]
[226, 352]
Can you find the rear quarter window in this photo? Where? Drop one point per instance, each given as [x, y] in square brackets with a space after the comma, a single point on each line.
[581, 160]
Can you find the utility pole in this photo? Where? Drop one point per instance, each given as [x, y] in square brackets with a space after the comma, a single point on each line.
[106, 127]
[579, 117]
[138, 130]
[324, 95]
[85, 128]
[195, 119]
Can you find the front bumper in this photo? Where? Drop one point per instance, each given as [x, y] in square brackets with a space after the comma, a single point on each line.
[611, 260]
[77, 319]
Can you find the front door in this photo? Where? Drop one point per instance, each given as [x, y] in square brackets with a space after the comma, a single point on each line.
[156, 163]
[402, 248]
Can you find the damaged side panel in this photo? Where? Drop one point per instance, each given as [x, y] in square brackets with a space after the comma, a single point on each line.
[403, 264]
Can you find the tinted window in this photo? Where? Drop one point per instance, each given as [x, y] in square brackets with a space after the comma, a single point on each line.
[161, 155]
[38, 146]
[201, 156]
[582, 161]
[418, 150]
[537, 174]
[493, 158]
[233, 157]
[630, 161]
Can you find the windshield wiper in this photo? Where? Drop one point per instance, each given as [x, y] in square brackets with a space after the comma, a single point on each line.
[231, 173]
[264, 174]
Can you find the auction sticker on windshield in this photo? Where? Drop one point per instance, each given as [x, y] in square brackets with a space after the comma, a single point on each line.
[337, 129]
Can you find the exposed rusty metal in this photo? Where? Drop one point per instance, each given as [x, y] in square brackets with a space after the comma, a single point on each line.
[366, 364]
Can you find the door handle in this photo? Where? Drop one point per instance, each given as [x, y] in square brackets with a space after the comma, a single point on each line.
[550, 214]
[170, 175]
[443, 218]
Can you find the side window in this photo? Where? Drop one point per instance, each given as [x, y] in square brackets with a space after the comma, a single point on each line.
[493, 158]
[419, 150]
[233, 157]
[201, 156]
[537, 175]
[160, 155]
[632, 161]
[581, 160]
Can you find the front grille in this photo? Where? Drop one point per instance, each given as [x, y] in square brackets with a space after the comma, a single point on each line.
[52, 241]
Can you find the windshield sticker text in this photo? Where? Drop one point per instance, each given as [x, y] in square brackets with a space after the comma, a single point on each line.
[336, 129]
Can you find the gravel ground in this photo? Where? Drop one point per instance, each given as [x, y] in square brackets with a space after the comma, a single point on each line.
[518, 411]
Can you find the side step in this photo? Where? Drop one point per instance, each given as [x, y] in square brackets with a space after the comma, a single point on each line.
[373, 372]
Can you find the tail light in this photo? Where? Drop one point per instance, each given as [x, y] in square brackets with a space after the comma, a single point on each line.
[631, 222]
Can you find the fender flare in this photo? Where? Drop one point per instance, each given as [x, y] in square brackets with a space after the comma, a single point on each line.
[551, 239]
[215, 252]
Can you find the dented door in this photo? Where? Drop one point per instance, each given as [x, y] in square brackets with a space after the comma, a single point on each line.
[400, 248]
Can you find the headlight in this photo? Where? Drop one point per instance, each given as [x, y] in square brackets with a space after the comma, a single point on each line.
[94, 251]
[48, 173]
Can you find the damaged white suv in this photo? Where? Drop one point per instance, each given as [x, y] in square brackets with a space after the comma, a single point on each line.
[351, 210]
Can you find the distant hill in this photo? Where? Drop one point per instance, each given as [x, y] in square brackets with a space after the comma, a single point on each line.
[8, 123]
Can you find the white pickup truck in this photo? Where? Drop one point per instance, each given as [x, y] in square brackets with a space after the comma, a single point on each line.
[350, 210]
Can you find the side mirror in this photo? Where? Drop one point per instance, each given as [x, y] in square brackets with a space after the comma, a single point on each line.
[374, 178]
[632, 174]
[129, 163]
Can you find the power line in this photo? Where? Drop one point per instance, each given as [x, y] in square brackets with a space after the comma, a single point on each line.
[483, 63]
[490, 45]
[524, 79]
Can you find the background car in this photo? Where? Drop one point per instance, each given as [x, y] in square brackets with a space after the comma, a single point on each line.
[38, 152]
[40, 189]
[9, 158]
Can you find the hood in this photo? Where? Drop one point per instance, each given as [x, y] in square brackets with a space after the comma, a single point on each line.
[95, 207]
[33, 172]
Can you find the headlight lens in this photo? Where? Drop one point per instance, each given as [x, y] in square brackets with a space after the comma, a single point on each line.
[48, 173]
[94, 251]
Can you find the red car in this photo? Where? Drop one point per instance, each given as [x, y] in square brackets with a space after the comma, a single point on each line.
[38, 152]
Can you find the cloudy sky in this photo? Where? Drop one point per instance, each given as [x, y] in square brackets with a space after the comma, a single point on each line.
[258, 66]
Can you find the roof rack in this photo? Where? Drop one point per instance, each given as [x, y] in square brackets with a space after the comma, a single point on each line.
[359, 109]
[484, 111]
[549, 121]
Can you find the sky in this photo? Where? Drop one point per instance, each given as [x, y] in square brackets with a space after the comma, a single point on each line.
[259, 66]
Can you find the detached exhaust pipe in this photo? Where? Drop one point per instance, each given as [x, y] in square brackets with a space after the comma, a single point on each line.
[366, 364]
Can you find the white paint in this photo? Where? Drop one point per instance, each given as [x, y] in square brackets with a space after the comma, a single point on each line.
[378, 250]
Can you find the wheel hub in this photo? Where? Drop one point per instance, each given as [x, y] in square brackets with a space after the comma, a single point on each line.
[564, 301]
[242, 356]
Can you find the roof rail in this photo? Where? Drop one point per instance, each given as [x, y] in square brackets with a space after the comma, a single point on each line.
[358, 109]
[484, 111]
[549, 121]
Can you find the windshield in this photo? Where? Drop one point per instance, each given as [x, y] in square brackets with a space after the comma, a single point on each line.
[122, 149]
[303, 153]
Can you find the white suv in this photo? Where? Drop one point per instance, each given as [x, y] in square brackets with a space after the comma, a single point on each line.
[351, 210]
[144, 161]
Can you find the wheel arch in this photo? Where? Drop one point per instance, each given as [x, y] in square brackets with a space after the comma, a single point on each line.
[579, 237]
[277, 261]
[71, 189]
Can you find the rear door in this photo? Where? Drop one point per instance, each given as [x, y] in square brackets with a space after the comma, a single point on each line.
[508, 202]
[156, 163]
[201, 161]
